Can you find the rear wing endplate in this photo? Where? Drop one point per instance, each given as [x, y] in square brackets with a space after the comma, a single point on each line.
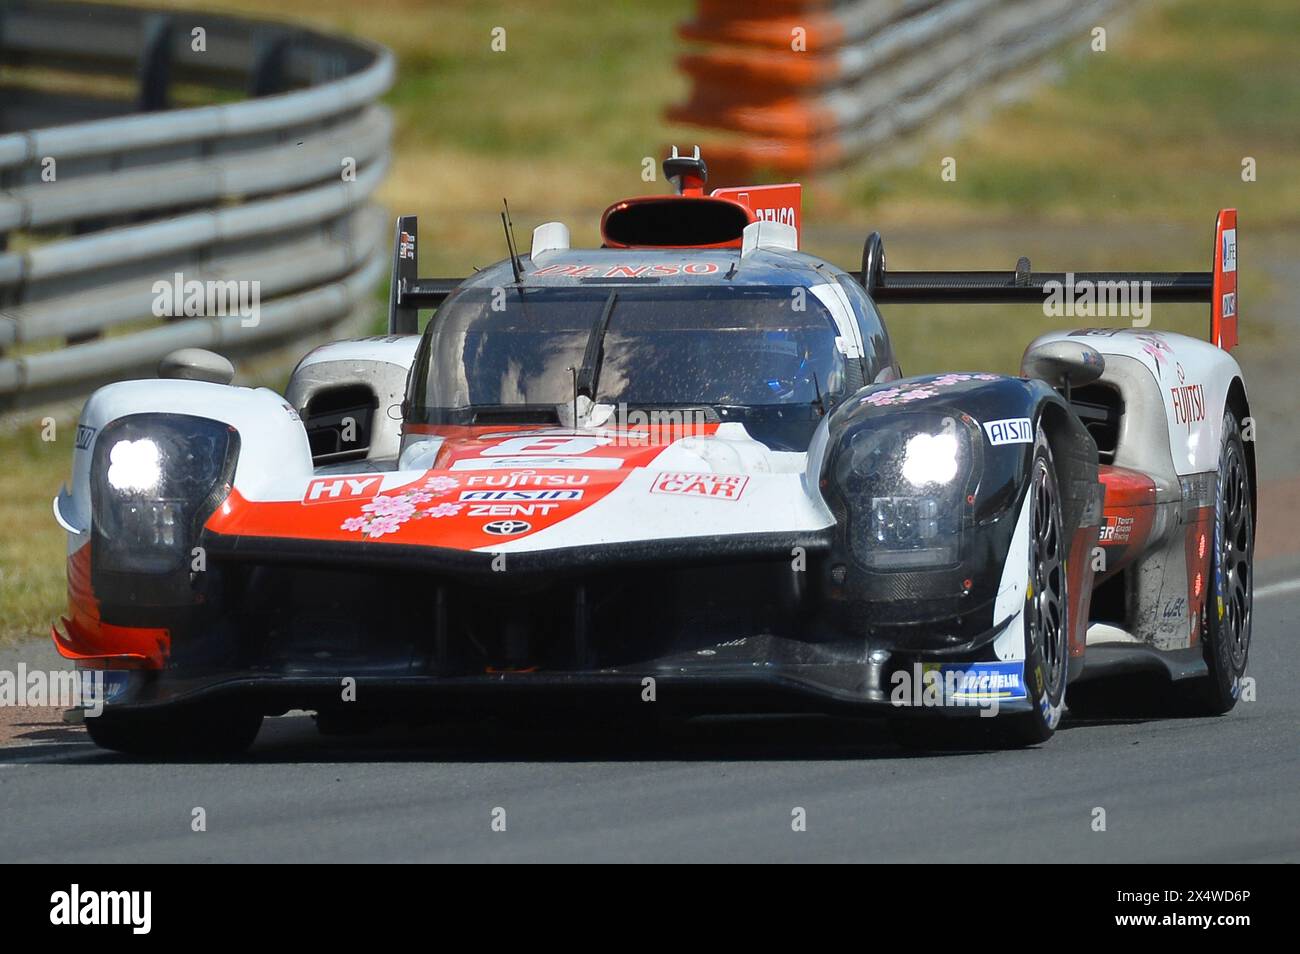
[409, 293]
[1217, 287]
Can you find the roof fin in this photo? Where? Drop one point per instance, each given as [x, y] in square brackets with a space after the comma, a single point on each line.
[687, 174]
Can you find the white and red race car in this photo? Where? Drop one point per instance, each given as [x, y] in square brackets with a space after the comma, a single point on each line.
[684, 467]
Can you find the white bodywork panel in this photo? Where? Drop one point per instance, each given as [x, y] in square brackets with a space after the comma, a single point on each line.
[390, 349]
[1010, 644]
[1193, 378]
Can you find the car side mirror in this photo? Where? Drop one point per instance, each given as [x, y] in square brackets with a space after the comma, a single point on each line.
[196, 364]
[1063, 364]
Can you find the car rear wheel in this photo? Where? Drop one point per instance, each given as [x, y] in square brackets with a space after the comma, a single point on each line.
[205, 733]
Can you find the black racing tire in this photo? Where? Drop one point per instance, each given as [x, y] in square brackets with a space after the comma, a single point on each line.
[199, 732]
[1047, 609]
[1226, 617]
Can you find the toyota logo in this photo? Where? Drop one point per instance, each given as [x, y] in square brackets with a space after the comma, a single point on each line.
[505, 528]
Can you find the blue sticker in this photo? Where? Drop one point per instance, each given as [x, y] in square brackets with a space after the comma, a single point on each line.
[985, 681]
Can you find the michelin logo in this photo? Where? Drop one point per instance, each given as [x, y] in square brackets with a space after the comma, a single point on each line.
[985, 681]
[1013, 430]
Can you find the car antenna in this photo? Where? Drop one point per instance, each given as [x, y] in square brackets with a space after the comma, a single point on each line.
[573, 372]
[821, 405]
[509, 228]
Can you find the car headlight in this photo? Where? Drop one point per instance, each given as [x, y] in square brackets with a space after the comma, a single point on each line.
[154, 479]
[908, 482]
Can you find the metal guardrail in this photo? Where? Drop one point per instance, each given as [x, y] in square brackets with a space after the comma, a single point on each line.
[814, 83]
[103, 196]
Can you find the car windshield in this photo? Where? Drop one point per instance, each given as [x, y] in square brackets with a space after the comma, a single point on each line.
[732, 346]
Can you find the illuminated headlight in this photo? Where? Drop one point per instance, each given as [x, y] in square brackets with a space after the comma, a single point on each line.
[905, 482]
[930, 459]
[154, 479]
[134, 466]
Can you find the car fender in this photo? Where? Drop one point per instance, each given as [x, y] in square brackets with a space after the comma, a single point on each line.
[959, 603]
[274, 453]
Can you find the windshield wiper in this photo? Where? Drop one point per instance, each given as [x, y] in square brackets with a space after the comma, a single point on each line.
[589, 373]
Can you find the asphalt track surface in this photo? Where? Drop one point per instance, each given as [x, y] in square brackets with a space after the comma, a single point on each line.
[1173, 789]
[1180, 789]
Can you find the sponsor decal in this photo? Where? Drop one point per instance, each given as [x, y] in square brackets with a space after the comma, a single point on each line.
[1116, 530]
[527, 478]
[714, 486]
[1229, 304]
[332, 489]
[1229, 250]
[520, 495]
[505, 528]
[512, 510]
[981, 684]
[115, 685]
[659, 270]
[1012, 430]
[1174, 611]
[982, 681]
[1188, 402]
[84, 436]
[406, 247]
[783, 215]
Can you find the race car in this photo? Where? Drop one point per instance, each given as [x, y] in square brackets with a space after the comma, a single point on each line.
[682, 471]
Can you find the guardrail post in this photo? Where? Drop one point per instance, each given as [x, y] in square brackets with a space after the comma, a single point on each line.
[267, 75]
[155, 64]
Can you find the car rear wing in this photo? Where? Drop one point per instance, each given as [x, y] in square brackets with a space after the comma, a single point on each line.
[1218, 286]
[409, 293]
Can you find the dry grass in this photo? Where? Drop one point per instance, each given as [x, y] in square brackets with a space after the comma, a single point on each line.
[31, 544]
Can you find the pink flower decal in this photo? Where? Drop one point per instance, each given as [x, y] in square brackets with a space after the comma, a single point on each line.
[388, 512]
[441, 485]
[381, 525]
[1155, 346]
[922, 389]
[384, 506]
[443, 510]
